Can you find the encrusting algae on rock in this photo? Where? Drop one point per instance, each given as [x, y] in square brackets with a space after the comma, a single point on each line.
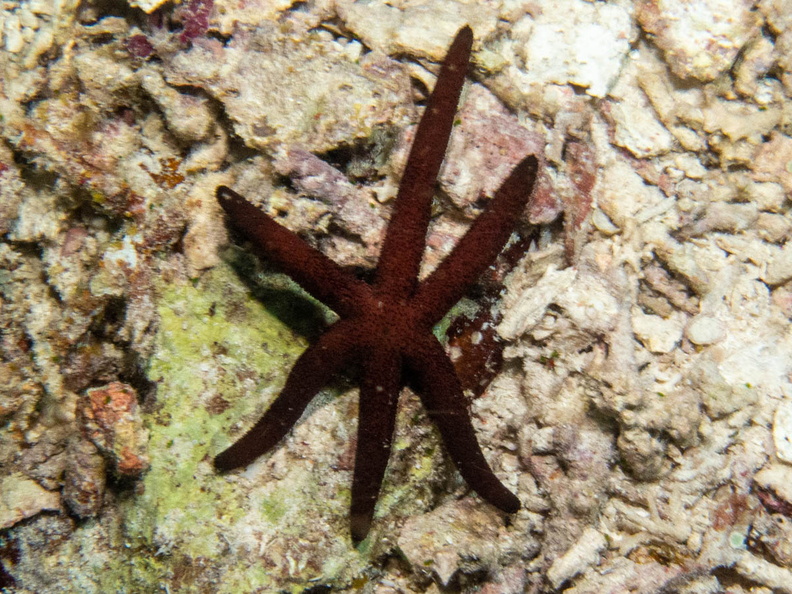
[643, 401]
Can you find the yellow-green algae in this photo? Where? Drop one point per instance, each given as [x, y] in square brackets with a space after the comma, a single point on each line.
[221, 357]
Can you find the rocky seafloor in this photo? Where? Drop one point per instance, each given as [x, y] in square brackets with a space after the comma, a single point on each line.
[642, 410]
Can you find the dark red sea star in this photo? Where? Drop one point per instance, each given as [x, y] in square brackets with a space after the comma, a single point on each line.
[386, 326]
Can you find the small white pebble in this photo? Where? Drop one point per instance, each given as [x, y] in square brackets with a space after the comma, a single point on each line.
[41, 7]
[27, 19]
[579, 557]
[603, 223]
[659, 335]
[14, 42]
[703, 330]
[779, 270]
[776, 477]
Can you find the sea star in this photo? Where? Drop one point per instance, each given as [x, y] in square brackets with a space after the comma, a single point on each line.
[386, 326]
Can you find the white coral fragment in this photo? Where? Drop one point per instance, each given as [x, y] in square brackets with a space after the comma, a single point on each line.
[779, 269]
[637, 127]
[703, 330]
[659, 335]
[758, 570]
[579, 43]
[782, 431]
[21, 497]
[281, 89]
[701, 38]
[579, 557]
[188, 117]
[457, 536]
[147, 6]
[776, 478]
[423, 28]
[530, 305]
[622, 193]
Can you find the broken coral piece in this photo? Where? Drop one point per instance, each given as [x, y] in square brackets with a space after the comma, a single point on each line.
[112, 420]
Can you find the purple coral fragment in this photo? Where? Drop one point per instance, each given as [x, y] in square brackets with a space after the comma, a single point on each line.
[139, 46]
[195, 18]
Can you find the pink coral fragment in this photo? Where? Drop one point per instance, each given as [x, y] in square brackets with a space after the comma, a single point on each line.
[112, 422]
[195, 17]
[139, 46]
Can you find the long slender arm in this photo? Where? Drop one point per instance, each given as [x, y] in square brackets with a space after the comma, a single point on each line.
[310, 268]
[404, 244]
[379, 395]
[478, 247]
[441, 394]
[313, 370]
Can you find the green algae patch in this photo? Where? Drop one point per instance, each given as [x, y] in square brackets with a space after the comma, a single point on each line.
[221, 356]
[217, 350]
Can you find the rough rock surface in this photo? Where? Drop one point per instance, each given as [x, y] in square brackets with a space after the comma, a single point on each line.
[643, 408]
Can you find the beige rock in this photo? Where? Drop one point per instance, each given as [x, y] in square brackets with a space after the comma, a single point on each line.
[579, 43]
[659, 335]
[782, 431]
[21, 497]
[703, 330]
[779, 269]
[700, 39]
[776, 478]
[580, 556]
[147, 6]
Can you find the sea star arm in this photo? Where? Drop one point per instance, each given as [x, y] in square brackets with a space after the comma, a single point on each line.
[379, 395]
[402, 251]
[478, 248]
[441, 394]
[310, 268]
[313, 370]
